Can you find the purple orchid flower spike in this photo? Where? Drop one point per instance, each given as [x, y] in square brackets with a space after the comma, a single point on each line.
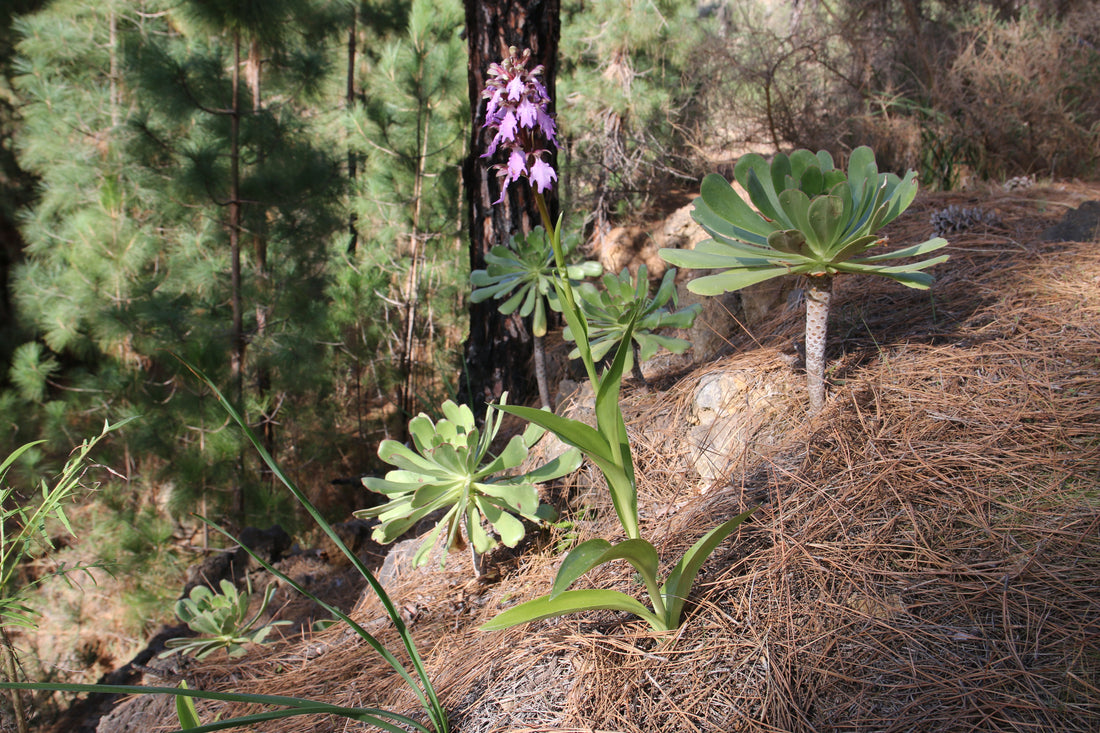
[517, 113]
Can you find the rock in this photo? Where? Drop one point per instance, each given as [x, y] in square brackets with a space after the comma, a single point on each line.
[721, 314]
[1078, 225]
[399, 561]
[270, 544]
[735, 412]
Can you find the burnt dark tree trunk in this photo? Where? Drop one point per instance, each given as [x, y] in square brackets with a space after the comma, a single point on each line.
[499, 348]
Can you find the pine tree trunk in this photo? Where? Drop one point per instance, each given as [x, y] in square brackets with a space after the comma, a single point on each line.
[499, 347]
[818, 295]
[412, 290]
[349, 103]
[237, 359]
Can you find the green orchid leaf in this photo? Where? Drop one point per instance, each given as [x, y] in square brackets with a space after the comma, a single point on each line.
[593, 553]
[186, 712]
[682, 577]
[579, 561]
[563, 465]
[609, 419]
[572, 432]
[572, 601]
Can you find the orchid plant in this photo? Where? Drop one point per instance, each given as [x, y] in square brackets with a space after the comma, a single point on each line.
[517, 113]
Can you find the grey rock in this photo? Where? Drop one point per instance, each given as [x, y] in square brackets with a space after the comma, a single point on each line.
[1078, 225]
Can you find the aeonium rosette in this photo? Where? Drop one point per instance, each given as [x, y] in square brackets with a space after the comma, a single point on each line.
[517, 111]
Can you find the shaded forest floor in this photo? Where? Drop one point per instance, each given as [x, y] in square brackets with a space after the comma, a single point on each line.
[926, 556]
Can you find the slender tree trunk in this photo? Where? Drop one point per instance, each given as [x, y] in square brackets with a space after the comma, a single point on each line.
[349, 103]
[11, 671]
[254, 76]
[499, 347]
[412, 290]
[818, 295]
[237, 363]
[112, 48]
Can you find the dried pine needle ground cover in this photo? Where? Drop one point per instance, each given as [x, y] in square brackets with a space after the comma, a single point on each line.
[926, 558]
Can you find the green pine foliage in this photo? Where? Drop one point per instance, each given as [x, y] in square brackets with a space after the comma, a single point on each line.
[408, 132]
[127, 124]
[622, 98]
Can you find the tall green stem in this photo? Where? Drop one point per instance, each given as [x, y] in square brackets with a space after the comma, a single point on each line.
[568, 302]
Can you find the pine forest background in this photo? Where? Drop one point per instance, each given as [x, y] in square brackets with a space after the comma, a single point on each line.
[272, 191]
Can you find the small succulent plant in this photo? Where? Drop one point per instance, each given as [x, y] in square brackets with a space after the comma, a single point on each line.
[525, 274]
[221, 621]
[449, 467]
[609, 312]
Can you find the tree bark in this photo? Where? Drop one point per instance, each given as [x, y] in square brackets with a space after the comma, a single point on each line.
[499, 348]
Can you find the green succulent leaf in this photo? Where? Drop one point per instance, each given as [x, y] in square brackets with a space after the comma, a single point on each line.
[820, 221]
[790, 241]
[731, 280]
[221, 621]
[524, 276]
[623, 311]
